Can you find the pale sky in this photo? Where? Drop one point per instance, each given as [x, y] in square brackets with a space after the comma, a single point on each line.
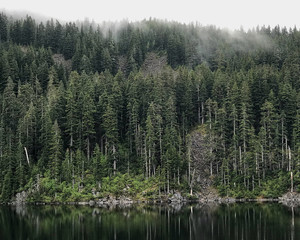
[230, 14]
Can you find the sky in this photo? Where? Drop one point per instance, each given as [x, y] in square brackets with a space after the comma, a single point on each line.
[231, 14]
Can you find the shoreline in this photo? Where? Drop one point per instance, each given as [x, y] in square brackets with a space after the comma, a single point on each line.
[129, 202]
[290, 198]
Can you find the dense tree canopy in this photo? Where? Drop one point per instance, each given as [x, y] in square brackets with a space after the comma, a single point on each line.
[81, 103]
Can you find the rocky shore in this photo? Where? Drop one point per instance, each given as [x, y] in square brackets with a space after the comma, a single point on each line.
[290, 199]
[211, 196]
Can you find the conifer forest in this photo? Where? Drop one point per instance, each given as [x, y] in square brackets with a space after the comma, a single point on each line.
[90, 110]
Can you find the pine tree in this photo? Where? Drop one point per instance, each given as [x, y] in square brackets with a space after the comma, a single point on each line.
[110, 125]
[26, 143]
[71, 112]
[6, 193]
[172, 155]
[40, 35]
[16, 32]
[296, 144]
[99, 165]
[46, 139]
[107, 61]
[4, 70]
[269, 122]
[22, 162]
[3, 28]
[53, 95]
[76, 59]
[287, 96]
[149, 145]
[66, 168]
[57, 37]
[28, 31]
[85, 65]
[55, 157]
[88, 111]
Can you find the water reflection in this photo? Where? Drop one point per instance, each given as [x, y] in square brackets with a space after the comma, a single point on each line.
[234, 221]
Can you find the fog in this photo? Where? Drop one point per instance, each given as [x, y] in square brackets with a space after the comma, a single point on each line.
[231, 14]
[205, 38]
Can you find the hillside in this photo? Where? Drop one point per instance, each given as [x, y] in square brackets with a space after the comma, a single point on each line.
[147, 108]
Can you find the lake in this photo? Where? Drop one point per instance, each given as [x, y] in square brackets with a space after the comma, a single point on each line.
[238, 221]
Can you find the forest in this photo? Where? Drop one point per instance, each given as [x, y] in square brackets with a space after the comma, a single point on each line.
[89, 110]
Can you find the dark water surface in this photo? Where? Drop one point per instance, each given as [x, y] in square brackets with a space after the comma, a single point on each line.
[253, 221]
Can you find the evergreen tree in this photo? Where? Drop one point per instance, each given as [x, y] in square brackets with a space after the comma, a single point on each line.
[3, 28]
[46, 138]
[66, 168]
[287, 97]
[4, 70]
[99, 165]
[71, 110]
[55, 147]
[6, 193]
[135, 95]
[110, 125]
[88, 110]
[28, 33]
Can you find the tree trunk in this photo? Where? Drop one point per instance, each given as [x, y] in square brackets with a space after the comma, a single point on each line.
[115, 160]
[286, 151]
[27, 158]
[263, 161]
[189, 163]
[192, 182]
[168, 182]
[146, 155]
[73, 177]
[290, 159]
[88, 149]
[149, 163]
[282, 145]
[257, 169]
[202, 111]
[292, 182]
[199, 107]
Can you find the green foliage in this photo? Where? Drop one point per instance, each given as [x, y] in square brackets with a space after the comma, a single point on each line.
[6, 193]
[273, 187]
[124, 115]
[276, 187]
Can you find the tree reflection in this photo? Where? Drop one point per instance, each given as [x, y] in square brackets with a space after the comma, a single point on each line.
[201, 221]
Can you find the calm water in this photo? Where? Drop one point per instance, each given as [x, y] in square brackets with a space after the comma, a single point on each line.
[235, 222]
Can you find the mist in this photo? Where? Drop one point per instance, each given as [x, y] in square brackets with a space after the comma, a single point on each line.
[201, 43]
[19, 15]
